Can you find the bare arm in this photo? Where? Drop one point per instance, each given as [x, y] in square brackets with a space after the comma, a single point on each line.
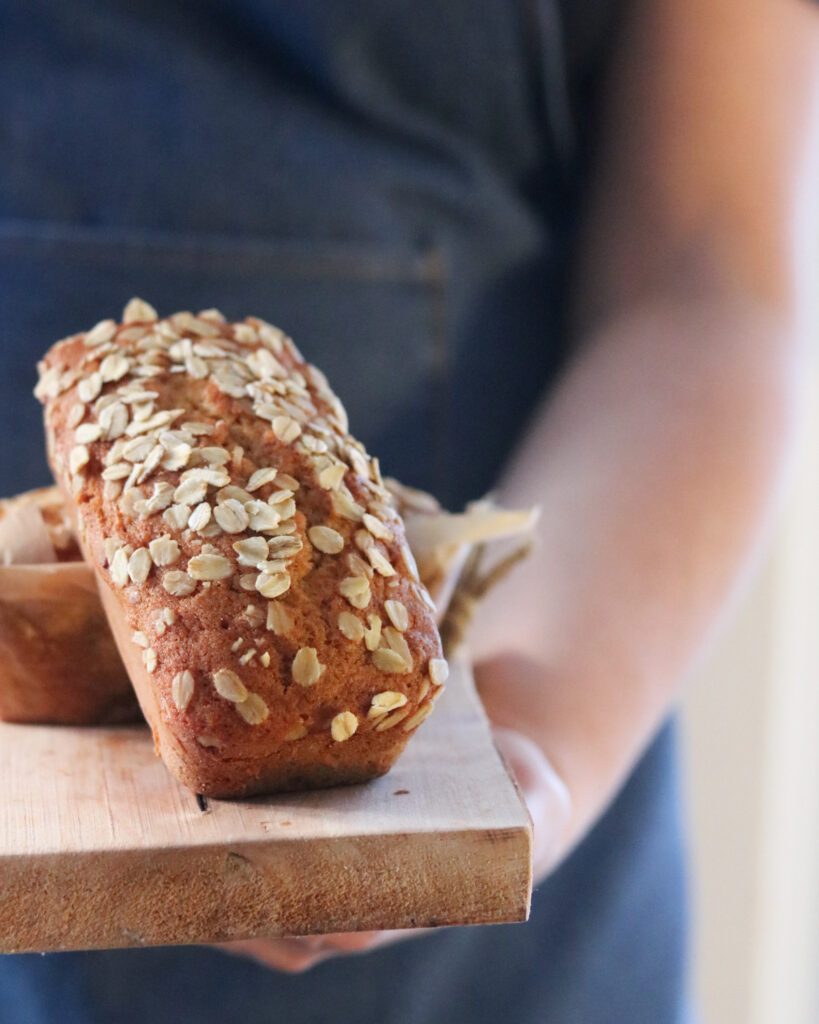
[658, 459]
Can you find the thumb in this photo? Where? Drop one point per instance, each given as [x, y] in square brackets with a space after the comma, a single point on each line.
[545, 793]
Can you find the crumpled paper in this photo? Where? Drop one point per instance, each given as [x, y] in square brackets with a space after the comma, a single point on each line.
[451, 550]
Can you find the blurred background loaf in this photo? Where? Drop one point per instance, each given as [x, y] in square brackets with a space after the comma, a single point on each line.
[58, 660]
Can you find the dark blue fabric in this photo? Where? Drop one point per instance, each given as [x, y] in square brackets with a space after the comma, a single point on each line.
[395, 185]
[154, 125]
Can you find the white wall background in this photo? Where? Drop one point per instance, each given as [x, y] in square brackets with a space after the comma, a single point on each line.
[752, 729]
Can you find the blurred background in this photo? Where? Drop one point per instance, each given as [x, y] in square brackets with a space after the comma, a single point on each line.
[752, 731]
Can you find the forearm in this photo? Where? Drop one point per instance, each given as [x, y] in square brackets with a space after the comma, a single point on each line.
[655, 466]
[657, 460]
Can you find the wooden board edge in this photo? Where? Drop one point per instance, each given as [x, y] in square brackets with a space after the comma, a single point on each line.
[215, 894]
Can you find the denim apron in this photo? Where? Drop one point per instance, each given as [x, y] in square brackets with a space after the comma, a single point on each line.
[394, 184]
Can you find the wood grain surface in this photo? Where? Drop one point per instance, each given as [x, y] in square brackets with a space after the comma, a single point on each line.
[101, 847]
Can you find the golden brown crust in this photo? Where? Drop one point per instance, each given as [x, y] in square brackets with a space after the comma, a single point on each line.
[165, 436]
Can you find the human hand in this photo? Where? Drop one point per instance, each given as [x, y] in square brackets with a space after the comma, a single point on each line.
[297, 953]
[544, 793]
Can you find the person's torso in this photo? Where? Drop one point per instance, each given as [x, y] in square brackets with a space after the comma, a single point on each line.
[393, 184]
[383, 180]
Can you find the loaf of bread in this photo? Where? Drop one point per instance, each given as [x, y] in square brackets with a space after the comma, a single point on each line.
[58, 661]
[35, 529]
[252, 564]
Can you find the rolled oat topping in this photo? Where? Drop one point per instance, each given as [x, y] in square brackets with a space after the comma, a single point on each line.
[76, 415]
[397, 642]
[177, 516]
[272, 584]
[210, 567]
[419, 716]
[392, 720]
[279, 619]
[88, 433]
[89, 387]
[101, 333]
[398, 614]
[389, 661]
[137, 309]
[376, 527]
[351, 626]
[357, 590]
[206, 740]
[379, 562]
[307, 669]
[343, 726]
[326, 539]
[261, 516]
[372, 635]
[229, 685]
[383, 703]
[253, 709]
[261, 477]
[331, 477]
[231, 516]
[285, 428]
[182, 689]
[190, 492]
[178, 584]
[164, 551]
[438, 671]
[78, 458]
[139, 565]
[252, 552]
[119, 567]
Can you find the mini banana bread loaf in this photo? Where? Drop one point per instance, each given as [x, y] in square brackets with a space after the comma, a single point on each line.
[252, 564]
[35, 529]
[58, 662]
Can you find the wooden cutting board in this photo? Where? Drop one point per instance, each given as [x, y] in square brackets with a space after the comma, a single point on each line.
[101, 847]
